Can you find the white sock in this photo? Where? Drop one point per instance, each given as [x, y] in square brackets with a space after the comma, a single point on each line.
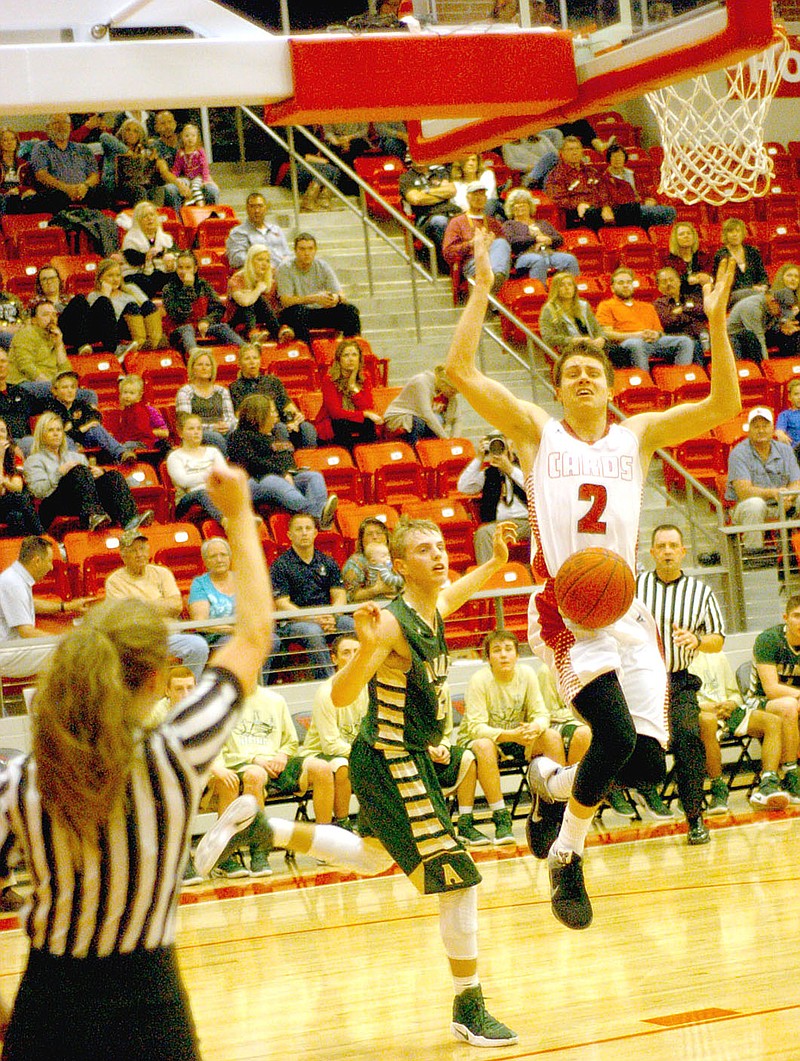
[462, 983]
[467, 808]
[281, 831]
[347, 849]
[560, 782]
[500, 805]
[572, 836]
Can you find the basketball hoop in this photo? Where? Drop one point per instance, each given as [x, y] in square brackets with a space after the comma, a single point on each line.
[714, 144]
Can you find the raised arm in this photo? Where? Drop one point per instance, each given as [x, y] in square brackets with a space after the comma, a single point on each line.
[521, 421]
[378, 634]
[459, 592]
[675, 425]
[247, 648]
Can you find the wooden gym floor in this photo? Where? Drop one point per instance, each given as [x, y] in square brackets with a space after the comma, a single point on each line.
[692, 956]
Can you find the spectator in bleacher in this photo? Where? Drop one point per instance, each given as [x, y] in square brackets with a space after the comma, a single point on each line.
[505, 720]
[17, 510]
[623, 195]
[426, 407]
[347, 397]
[566, 319]
[207, 399]
[12, 316]
[534, 244]
[20, 655]
[140, 422]
[724, 714]
[332, 730]
[83, 421]
[149, 251]
[261, 446]
[533, 156]
[192, 165]
[495, 476]
[67, 485]
[763, 478]
[349, 140]
[130, 171]
[16, 404]
[194, 307]
[213, 595]
[256, 230]
[138, 579]
[180, 682]
[250, 294]
[635, 326]
[756, 316]
[37, 351]
[311, 294]
[775, 686]
[751, 276]
[457, 246]
[166, 140]
[680, 315]
[121, 315]
[17, 188]
[65, 172]
[189, 466]
[74, 313]
[787, 279]
[262, 755]
[695, 267]
[576, 188]
[474, 169]
[303, 577]
[251, 380]
[787, 428]
[427, 193]
[366, 574]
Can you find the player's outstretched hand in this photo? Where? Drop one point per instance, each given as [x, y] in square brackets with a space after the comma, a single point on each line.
[716, 296]
[367, 619]
[229, 490]
[484, 276]
[505, 534]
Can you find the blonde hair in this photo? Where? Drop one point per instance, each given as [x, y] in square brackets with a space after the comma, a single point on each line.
[733, 224]
[554, 292]
[247, 268]
[42, 424]
[132, 383]
[778, 281]
[408, 528]
[86, 712]
[194, 357]
[142, 208]
[673, 237]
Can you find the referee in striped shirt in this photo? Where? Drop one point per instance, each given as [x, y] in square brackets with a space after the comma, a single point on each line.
[101, 811]
[689, 621]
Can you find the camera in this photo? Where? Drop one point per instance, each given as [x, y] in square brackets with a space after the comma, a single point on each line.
[493, 446]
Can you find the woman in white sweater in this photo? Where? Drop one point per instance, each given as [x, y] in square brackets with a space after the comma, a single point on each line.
[189, 466]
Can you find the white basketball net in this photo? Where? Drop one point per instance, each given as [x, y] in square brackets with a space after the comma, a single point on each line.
[714, 146]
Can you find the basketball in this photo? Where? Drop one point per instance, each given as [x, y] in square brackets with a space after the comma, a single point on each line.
[594, 588]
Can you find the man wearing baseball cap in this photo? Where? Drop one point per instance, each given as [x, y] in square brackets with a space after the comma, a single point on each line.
[458, 245]
[753, 317]
[763, 477]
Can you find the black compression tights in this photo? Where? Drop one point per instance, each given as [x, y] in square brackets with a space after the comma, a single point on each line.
[602, 704]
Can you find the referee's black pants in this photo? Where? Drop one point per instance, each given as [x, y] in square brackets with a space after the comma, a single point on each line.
[685, 743]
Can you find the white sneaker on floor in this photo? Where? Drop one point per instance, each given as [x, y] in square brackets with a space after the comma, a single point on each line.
[233, 820]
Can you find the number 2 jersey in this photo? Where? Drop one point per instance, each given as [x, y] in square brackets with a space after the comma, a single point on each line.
[583, 495]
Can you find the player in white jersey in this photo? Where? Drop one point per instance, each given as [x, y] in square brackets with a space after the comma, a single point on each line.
[579, 495]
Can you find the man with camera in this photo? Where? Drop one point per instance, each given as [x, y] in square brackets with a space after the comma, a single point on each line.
[495, 474]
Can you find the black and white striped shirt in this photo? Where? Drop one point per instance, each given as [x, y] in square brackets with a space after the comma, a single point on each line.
[686, 601]
[119, 891]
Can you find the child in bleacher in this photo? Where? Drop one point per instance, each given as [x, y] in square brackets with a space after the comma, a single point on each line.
[192, 164]
[82, 421]
[139, 422]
